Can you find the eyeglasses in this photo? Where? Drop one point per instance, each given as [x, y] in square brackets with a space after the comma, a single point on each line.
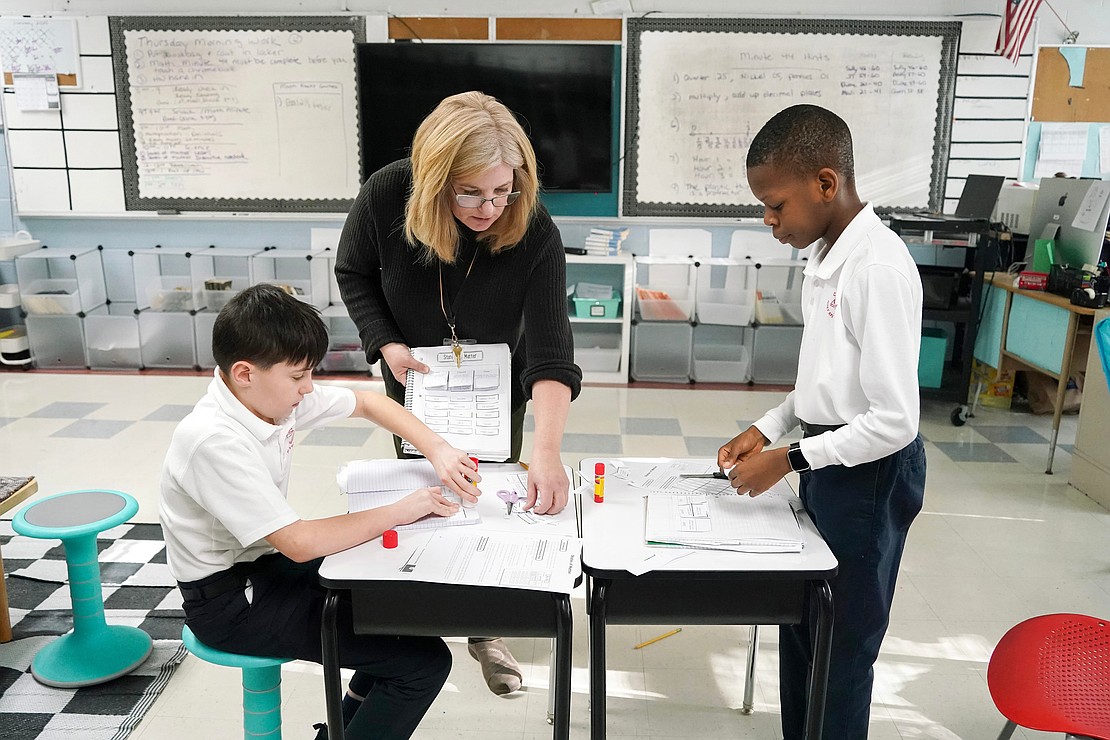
[477, 201]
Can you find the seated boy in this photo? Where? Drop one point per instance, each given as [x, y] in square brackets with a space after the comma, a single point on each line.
[862, 463]
[245, 562]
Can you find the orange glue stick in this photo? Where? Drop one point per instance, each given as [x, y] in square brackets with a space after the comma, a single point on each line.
[599, 482]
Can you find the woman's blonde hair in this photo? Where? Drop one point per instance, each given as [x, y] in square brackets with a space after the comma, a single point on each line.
[464, 136]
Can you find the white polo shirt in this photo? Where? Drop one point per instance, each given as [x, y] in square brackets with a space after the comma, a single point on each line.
[225, 478]
[861, 305]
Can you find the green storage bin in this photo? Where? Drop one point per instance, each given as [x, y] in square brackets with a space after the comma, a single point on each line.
[597, 308]
[930, 360]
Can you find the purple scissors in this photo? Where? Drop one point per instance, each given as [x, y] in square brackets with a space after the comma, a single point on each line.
[510, 498]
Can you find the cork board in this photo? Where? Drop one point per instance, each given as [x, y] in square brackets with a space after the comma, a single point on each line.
[1055, 100]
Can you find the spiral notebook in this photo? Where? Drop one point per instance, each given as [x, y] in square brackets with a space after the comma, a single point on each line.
[369, 484]
[721, 520]
[467, 403]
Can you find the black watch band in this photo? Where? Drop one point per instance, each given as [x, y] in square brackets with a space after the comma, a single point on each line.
[798, 462]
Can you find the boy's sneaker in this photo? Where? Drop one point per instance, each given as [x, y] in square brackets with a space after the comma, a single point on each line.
[499, 667]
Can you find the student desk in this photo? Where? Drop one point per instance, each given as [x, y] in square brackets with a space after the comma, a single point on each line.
[704, 587]
[390, 607]
[1034, 330]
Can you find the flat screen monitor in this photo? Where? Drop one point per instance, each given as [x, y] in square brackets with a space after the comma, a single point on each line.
[561, 93]
[1058, 203]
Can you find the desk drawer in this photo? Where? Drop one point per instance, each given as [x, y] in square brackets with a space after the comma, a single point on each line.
[1037, 332]
[652, 600]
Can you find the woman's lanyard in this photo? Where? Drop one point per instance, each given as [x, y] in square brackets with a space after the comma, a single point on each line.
[456, 348]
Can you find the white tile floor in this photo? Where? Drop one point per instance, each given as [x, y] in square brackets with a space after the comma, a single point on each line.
[997, 542]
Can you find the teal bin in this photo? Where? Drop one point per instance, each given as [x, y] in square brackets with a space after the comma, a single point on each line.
[930, 360]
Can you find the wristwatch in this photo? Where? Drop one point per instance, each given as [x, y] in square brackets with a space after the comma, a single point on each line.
[798, 462]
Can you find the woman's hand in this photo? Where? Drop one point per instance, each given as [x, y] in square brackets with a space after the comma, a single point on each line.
[548, 485]
[457, 471]
[420, 503]
[399, 358]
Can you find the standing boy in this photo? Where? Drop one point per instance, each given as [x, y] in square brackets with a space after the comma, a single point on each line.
[861, 461]
[245, 562]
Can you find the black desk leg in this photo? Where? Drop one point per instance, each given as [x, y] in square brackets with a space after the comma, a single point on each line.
[329, 646]
[563, 649]
[597, 659]
[822, 651]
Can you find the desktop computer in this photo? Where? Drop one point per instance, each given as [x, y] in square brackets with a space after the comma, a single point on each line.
[1074, 213]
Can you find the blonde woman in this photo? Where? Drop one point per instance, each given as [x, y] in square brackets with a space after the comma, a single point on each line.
[453, 243]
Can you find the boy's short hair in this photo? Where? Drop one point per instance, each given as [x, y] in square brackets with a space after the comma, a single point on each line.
[266, 326]
[804, 138]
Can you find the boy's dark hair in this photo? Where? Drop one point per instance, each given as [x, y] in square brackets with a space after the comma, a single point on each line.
[266, 326]
[804, 138]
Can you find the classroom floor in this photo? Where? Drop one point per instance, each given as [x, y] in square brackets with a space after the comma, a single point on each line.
[998, 541]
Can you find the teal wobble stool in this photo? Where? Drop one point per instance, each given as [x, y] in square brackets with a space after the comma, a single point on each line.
[94, 652]
[261, 686]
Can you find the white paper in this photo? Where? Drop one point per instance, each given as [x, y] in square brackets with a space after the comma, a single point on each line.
[505, 559]
[667, 476]
[36, 92]
[468, 405]
[373, 483]
[1091, 207]
[764, 523]
[1104, 150]
[1062, 148]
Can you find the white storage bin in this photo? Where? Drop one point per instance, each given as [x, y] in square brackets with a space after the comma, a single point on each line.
[775, 354]
[721, 354]
[344, 361]
[345, 354]
[303, 271]
[174, 295]
[597, 347]
[163, 281]
[202, 325]
[56, 341]
[112, 337]
[725, 292]
[51, 296]
[334, 296]
[9, 295]
[167, 339]
[665, 288]
[779, 307]
[661, 352]
[61, 281]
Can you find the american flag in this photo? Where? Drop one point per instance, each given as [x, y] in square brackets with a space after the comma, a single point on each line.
[1017, 20]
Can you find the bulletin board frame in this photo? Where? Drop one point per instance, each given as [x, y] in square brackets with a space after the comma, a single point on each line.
[118, 26]
[948, 31]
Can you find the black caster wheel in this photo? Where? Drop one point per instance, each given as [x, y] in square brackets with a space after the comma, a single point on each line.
[959, 416]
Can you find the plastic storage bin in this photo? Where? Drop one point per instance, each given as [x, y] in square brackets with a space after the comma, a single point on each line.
[164, 280]
[775, 354]
[112, 337]
[597, 348]
[56, 341]
[202, 326]
[721, 354]
[15, 348]
[665, 288]
[930, 364]
[345, 354]
[61, 281]
[661, 351]
[302, 272]
[167, 339]
[9, 295]
[597, 308]
[725, 292]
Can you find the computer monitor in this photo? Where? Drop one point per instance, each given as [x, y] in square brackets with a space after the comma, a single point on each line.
[1059, 200]
[979, 195]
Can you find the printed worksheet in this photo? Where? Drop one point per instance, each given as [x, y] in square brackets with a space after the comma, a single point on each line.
[464, 399]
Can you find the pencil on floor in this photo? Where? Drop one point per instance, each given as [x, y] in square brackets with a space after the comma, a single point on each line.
[663, 636]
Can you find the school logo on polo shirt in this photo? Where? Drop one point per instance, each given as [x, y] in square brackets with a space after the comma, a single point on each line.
[289, 440]
[830, 307]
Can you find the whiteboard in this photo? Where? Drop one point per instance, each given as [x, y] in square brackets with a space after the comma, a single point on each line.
[701, 89]
[238, 113]
[39, 46]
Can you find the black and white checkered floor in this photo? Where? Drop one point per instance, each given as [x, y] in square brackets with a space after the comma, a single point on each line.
[998, 541]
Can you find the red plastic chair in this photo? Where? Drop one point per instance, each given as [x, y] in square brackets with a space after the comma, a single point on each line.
[1052, 673]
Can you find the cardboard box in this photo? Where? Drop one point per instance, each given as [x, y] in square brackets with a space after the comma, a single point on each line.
[998, 386]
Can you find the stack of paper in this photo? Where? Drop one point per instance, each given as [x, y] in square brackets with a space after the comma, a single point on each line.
[725, 521]
[373, 483]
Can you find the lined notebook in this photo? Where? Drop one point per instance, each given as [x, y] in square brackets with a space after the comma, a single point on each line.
[724, 521]
[373, 483]
[467, 404]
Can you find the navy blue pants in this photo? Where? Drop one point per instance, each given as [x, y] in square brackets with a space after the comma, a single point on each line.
[399, 676]
[864, 513]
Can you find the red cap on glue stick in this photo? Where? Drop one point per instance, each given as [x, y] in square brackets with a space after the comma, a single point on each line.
[389, 539]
